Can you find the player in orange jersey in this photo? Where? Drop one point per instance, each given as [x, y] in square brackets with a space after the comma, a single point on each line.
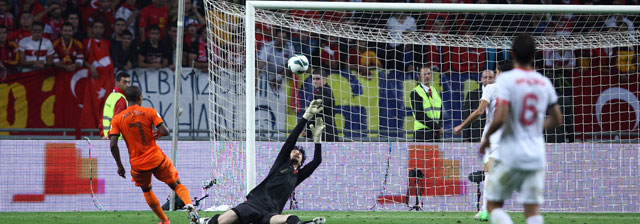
[136, 126]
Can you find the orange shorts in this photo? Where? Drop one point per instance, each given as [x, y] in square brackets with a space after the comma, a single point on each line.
[165, 172]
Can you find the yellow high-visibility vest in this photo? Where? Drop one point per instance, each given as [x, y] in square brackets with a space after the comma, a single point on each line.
[107, 112]
[430, 105]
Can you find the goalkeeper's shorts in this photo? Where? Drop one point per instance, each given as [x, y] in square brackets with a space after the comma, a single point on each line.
[251, 212]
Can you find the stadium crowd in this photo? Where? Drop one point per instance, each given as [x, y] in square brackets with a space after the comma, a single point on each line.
[142, 33]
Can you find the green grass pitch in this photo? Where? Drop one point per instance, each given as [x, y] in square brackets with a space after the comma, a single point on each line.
[180, 217]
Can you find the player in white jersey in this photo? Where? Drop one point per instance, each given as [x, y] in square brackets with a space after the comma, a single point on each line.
[524, 97]
[487, 106]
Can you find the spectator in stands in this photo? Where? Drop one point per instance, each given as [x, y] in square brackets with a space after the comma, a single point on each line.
[399, 24]
[36, 51]
[330, 54]
[307, 44]
[69, 51]
[34, 8]
[119, 26]
[153, 14]
[191, 14]
[190, 45]
[363, 60]
[54, 21]
[169, 42]
[321, 90]
[124, 55]
[74, 19]
[106, 16]
[199, 58]
[6, 18]
[97, 48]
[426, 106]
[467, 59]
[129, 13]
[26, 20]
[9, 55]
[67, 7]
[273, 57]
[152, 54]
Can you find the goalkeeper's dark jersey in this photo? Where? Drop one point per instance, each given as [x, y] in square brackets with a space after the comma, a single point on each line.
[274, 191]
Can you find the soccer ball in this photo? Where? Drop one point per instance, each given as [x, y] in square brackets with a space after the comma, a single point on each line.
[298, 64]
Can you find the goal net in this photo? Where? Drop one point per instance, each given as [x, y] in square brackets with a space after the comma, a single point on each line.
[364, 66]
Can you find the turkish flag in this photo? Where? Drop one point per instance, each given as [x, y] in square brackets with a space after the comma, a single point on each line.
[606, 103]
[81, 99]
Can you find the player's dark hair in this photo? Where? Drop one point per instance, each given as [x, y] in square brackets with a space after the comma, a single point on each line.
[120, 19]
[122, 75]
[304, 154]
[504, 66]
[133, 93]
[524, 49]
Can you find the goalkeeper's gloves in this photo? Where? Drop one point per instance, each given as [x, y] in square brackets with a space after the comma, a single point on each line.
[317, 129]
[314, 108]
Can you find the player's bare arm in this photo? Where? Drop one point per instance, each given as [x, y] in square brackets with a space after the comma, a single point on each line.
[472, 117]
[554, 118]
[115, 152]
[162, 131]
[501, 115]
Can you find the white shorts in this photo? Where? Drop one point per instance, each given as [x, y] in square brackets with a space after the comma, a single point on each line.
[492, 153]
[503, 181]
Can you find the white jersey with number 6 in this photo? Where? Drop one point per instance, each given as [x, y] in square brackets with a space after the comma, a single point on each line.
[528, 94]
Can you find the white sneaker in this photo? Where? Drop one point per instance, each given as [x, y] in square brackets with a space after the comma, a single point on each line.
[193, 214]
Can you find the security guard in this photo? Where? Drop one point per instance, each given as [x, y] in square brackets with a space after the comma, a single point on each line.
[426, 106]
[115, 103]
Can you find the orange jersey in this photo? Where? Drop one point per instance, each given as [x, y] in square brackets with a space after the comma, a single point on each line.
[136, 126]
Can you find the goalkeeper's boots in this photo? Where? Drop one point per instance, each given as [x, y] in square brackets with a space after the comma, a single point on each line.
[193, 214]
[164, 222]
[482, 216]
[316, 220]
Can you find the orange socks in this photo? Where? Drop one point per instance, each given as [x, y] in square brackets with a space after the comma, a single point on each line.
[154, 204]
[183, 193]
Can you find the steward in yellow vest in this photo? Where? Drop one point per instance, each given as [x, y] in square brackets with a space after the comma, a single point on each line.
[116, 102]
[426, 107]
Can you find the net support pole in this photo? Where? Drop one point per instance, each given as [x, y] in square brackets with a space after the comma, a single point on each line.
[177, 80]
[250, 43]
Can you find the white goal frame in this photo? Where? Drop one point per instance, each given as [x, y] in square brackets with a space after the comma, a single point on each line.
[250, 41]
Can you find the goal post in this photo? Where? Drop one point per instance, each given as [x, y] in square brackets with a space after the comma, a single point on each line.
[369, 57]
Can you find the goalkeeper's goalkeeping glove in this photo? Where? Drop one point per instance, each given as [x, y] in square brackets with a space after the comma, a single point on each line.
[317, 130]
[314, 108]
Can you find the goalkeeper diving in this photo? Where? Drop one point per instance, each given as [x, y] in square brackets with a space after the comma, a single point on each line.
[266, 201]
